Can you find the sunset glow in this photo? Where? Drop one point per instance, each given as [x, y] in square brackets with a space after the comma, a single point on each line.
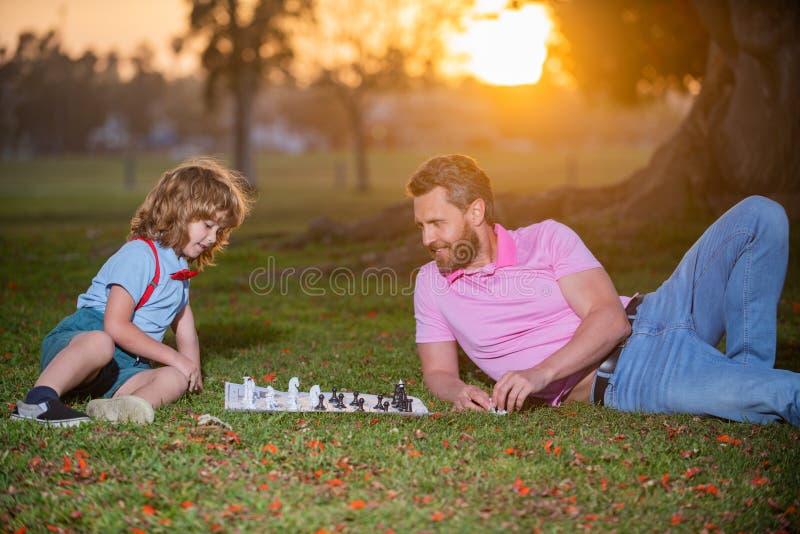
[506, 49]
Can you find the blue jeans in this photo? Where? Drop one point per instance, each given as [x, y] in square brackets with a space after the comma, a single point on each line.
[728, 283]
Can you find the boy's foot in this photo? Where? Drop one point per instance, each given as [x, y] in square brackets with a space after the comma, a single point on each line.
[125, 409]
[51, 412]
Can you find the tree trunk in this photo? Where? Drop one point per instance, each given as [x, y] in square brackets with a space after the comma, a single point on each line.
[742, 133]
[243, 125]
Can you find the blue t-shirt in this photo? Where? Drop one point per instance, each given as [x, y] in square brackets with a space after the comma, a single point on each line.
[133, 267]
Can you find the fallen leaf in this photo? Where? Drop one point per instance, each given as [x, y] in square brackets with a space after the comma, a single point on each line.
[357, 504]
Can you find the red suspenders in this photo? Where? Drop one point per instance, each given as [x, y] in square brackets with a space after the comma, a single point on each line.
[154, 282]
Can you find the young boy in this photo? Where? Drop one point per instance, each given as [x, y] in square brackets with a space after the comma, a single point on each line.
[111, 348]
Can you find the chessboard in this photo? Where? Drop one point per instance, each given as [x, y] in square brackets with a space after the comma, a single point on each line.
[249, 397]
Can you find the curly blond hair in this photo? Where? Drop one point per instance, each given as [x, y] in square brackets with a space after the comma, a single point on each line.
[195, 190]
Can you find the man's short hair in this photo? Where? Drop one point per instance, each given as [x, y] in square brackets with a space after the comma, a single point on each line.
[460, 175]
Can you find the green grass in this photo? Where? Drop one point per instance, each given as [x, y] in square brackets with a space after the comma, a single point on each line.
[574, 468]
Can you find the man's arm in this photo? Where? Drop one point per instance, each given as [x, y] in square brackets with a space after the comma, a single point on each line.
[592, 296]
[440, 371]
[187, 342]
[117, 324]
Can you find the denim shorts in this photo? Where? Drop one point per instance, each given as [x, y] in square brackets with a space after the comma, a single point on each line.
[119, 370]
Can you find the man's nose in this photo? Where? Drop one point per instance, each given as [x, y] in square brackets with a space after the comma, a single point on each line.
[427, 236]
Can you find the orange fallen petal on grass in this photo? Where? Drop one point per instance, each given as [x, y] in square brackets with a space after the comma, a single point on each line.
[67, 464]
[275, 505]
[187, 504]
[335, 482]
[510, 450]
[269, 377]
[676, 519]
[235, 507]
[20, 530]
[665, 481]
[725, 438]
[357, 504]
[437, 516]
[134, 530]
[689, 473]
[148, 509]
[269, 447]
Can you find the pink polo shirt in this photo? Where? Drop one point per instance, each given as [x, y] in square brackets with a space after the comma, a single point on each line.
[510, 314]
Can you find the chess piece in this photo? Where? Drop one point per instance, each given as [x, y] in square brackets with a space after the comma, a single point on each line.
[321, 405]
[313, 393]
[294, 385]
[361, 404]
[270, 398]
[380, 400]
[340, 401]
[355, 399]
[333, 395]
[291, 402]
[249, 391]
[408, 405]
[385, 406]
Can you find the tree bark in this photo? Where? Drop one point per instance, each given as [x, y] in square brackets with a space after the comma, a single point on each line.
[741, 135]
[243, 125]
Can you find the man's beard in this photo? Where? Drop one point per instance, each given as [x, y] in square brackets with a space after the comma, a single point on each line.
[460, 253]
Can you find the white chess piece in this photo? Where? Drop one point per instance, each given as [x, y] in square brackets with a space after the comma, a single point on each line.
[294, 385]
[313, 395]
[249, 390]
[291, 402]
[270, 398]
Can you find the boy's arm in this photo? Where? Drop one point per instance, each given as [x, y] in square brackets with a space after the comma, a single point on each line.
[187, 341]
[440, 371]
[117, 324]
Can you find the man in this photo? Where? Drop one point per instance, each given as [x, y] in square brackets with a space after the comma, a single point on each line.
[537, 312]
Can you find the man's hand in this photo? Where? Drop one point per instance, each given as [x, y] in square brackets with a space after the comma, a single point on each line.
[514, 387]
[472, 398]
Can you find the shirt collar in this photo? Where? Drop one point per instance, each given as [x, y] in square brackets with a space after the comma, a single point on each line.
[506, 256]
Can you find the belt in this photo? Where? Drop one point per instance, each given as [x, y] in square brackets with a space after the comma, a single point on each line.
[610, 361]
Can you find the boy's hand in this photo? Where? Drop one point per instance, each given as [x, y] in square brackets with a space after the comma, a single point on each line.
[191, 370]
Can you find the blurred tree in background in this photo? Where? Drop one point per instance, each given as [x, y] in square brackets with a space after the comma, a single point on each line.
[360, 47]
[51, 102]
[741, 60]
[246, 45]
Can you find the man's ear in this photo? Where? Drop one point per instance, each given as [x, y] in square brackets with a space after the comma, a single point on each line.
[477, 212]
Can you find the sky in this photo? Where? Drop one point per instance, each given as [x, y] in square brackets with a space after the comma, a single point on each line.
[507, 50]
[102, 25]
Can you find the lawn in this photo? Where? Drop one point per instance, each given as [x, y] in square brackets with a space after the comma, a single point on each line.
[573, 468]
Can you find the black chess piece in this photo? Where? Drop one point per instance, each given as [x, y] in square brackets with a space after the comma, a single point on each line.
[340, 402]
[396, 396]
[321, 405]
[361, 404]
[408, 405]
[380, 400]
[355, 399]
[333, 396]
[385, 406]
